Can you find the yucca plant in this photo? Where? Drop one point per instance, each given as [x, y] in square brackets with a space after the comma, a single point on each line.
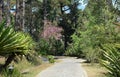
[111, 59]
[13, 43]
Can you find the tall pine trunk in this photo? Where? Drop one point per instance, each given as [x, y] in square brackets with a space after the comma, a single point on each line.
[63, 26]
[8, 18]
[9, 60]
[1, 10]
[23, 23]
[45, 9]
[18, 16]
[45, 14]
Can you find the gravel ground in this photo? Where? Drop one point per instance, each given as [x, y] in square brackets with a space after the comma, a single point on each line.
[68, 67]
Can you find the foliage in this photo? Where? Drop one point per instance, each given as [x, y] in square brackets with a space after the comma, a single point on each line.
[82, 31]
[13, 43]
[85, 45]
[91, 41]
[50, 47]
[43, 47]
[59, 47]
[94, 28]
[111, 59]
[51, 31]
[33, 18]
[74, 48]
[11, 73]
[87, 42]
[33, 58]
[51, 58]
[69, 21]
[51, 41]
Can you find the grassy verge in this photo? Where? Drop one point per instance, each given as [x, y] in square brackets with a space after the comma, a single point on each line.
[33, 71]
[94, 70]
[29, 70]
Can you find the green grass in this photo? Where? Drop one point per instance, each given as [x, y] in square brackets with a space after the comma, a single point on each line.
[35, 70]
[94, 70]
[27, 69]
[23, 65]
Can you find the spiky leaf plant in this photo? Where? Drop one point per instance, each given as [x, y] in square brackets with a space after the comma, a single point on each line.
[13, 43]
[111, 59]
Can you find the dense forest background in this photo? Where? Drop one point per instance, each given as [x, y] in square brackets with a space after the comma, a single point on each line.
[82, 28]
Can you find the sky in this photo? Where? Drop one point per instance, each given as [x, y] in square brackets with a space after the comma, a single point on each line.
[115, 5]
[114, 2]
[81, 6]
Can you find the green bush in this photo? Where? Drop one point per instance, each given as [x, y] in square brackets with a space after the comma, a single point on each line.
[43, 47]
[11, 73]
[33, 59]
[87, 42]
[111, 59]
[51, 59]
[50, 47]
[74, 49]
[59, 47]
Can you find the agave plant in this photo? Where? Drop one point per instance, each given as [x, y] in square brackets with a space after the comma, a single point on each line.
[13, 43]
[111, 54]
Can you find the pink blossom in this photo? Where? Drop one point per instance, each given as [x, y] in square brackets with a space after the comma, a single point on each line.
[51, 31]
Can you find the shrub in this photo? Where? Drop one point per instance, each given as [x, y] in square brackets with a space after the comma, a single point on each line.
[50, 47]
[111, 59]
[33, 58]
[43, 47]
[51, 59]
[13, 43]
[11, 73]
[51, 39]
[74, 49]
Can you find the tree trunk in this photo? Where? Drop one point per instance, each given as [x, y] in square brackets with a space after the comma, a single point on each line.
[23, 23]
[45, 9]
[63, 26]
[0, 10]
[18, 16]
[45, 14]
[8, 13]
[9, 60]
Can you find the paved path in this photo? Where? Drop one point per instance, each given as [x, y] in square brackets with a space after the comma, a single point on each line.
[68, 67]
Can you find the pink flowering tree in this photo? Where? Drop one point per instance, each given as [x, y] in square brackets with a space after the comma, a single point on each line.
[52, 36]
[51, 30]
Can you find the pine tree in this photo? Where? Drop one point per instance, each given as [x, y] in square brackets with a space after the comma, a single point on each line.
[1, 10]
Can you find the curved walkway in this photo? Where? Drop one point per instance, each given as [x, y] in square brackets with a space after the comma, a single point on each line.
[68, 67]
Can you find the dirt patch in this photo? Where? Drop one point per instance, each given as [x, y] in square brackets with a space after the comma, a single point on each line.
[94, 70]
